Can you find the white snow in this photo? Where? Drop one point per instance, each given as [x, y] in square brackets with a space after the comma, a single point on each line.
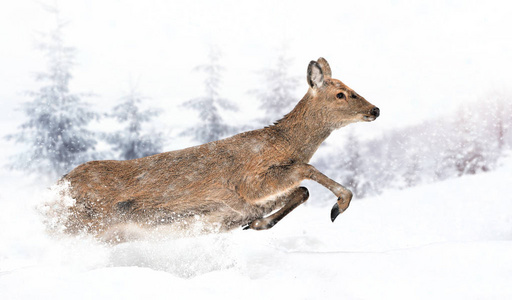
[449, 240]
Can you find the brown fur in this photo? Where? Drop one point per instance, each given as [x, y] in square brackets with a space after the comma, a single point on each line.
[229, 183]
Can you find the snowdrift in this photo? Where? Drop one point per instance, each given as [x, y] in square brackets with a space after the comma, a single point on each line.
[448, 240]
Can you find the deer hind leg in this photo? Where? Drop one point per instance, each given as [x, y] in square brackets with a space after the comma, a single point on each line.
[296, 198]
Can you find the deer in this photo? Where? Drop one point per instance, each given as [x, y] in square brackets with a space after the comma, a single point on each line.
[250, 180]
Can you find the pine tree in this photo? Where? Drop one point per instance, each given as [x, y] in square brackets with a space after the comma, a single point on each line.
[277, 97]
[348, 169]
[55, 134]
[495, 110]
[353, 165]
[131, 142]
[212, 127]
[469, 152]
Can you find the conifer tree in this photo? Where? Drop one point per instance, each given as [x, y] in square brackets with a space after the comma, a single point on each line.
[277, 95]
[131, 142]
[212, 127]
[55, 133]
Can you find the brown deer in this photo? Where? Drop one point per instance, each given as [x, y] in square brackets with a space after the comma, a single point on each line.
[228, 183]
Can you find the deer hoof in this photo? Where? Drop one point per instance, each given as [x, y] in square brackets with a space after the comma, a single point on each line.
[261, 224]
[335, 211]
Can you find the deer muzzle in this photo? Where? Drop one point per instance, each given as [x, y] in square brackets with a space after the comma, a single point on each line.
[373, 114]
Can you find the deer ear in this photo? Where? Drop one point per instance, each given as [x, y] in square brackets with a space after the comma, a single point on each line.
[325, 67]
[315, 75]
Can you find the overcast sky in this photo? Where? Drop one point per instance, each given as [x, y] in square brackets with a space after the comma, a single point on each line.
[413, 59]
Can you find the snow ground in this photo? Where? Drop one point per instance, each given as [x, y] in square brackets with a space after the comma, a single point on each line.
[449, 240]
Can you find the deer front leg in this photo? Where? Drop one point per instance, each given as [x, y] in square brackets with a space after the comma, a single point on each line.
[283, 177]
[296, 198]
[344, 194]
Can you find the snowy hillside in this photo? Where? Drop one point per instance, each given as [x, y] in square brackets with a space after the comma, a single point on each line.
[87, 80]
[449, 240]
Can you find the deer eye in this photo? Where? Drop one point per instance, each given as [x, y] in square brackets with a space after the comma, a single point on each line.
[340, 95]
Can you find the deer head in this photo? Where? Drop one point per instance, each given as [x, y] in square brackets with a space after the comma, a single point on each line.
[336, 103]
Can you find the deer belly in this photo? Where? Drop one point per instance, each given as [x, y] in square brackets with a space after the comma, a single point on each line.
[274, 197]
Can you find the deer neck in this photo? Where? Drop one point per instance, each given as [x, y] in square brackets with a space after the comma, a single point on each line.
[302, 131]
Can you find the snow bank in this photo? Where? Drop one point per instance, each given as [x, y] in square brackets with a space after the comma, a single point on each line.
[449, 240]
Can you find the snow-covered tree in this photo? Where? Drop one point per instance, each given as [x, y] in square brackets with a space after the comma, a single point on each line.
[412, 170]
[211, 127]
[277, 94]
[352, 166]
[55, 133]
[346, 165]
[468, 147]
[383, 162]
[131, 142]
[495, 110]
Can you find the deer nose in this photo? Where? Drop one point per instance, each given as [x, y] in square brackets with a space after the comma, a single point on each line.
[375, 112]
